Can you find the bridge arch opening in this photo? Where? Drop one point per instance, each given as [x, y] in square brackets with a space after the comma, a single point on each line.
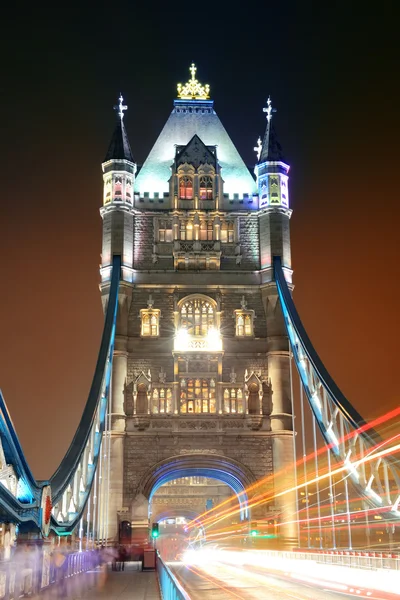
[214, 467]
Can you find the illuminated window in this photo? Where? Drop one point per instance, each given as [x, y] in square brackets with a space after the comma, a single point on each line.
[197, 396]
[233, 400]
[186, 188]
[206, 231]
[128, 190]
[161, 400]
[206, 188]
[227, 232]
[150, 322]
[244, 325]
[186, 229]
[107, 190]
[118, 186]
[197, 316]
[244, 321]
[165, 231]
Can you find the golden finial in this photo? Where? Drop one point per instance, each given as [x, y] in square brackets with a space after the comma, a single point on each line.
[193, 90]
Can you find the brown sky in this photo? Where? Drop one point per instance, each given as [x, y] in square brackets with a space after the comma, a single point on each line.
[337, 120]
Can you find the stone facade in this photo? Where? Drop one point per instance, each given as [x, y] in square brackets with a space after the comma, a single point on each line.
[201, 374]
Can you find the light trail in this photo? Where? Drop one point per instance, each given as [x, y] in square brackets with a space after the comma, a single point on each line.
[256, 564]
[214, 582]
[228, 512]
[264, 498]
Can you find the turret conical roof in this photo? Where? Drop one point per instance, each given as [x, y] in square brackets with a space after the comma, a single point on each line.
[271, 148]
[119, 148]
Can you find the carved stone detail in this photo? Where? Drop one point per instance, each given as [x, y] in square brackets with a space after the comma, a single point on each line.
[233, 424]
[197, 425]
[254, 422]
[141, 423]
[200, 451]
[161, 424]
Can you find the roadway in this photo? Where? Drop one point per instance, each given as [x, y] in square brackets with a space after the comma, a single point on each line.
[226, 582]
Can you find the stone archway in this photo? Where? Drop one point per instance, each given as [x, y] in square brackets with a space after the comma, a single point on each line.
[224, 469]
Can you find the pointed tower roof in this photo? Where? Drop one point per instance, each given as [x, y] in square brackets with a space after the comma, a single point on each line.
[271, 148]
[119, 147]
[193, 114]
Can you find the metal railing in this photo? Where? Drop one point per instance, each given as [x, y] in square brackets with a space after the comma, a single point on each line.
[37, 571]
[343, 558]
[354, 559]
[170, 587]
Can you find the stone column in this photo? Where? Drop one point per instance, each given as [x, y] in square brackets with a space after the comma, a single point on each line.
[119, 377]
[281, 415]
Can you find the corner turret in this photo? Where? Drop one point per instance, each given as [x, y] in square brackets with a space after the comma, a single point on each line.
[273, 192]
[119, 171]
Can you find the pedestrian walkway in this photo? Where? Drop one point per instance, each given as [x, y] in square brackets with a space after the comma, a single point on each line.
[130, 584]
[127, 585]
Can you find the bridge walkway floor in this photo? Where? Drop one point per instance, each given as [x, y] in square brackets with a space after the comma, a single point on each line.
[124, 585]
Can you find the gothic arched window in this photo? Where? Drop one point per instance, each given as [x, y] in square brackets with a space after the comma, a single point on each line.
[227, 232]
[197, 396]
[197, 316]
[206, 188]
[186, 231]
[206, 231]
[233, 400]
[150, 322]
[161, 400]
[185, 188]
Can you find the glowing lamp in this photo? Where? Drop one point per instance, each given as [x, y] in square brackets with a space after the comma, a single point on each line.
[181, 340]
[214, 341]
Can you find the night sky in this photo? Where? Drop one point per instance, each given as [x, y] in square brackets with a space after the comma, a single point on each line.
[332, 73]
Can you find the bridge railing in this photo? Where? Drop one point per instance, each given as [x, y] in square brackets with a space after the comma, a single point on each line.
[38, 572]
[349, 558]
[170, 587]
[342, 558]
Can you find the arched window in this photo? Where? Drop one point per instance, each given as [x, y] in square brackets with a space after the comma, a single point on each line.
[161, 400]
[248, 325]
[233, 400]
[244, 323]
[146, 330]
[240, 325]
[118, 187]
[165, 231]
[186, 188]
[206, 231]
[227, 232]
[150, 322]
[197, 316]
[197, 396]
[206, 188]
[186, 231]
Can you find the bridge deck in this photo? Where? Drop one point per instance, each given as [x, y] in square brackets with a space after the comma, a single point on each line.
[126, 585]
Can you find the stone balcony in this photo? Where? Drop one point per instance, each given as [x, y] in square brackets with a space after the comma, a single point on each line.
[197, 254]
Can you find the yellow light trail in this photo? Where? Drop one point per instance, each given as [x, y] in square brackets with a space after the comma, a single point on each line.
[264, 498]
[228, 512]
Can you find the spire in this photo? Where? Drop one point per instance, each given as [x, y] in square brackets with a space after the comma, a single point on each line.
[271, 148]
[119, 147]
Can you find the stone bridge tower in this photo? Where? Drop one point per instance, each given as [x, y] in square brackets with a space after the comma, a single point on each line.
[201, 378]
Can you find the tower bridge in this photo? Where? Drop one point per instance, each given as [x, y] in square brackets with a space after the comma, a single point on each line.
[201, 349]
